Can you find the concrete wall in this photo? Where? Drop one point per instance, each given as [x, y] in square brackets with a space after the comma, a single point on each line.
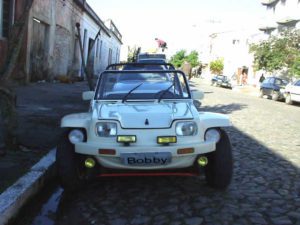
[61, 48]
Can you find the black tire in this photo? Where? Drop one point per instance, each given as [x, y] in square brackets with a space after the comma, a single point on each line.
[275, 96]
[218, 172]
[288, 99]
[67, 163]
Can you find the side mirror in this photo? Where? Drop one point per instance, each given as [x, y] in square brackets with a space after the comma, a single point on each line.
[197, 95]
[88, 95]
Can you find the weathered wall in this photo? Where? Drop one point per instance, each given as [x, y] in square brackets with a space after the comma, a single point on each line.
[53, 48]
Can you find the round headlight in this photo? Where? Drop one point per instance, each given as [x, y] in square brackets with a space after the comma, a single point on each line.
[106, 129]
[212, 135]
[76, 136]
[186, 128]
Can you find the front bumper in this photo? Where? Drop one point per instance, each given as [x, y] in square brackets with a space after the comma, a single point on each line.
[115, 162]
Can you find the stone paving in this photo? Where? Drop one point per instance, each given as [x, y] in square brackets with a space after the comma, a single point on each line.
[265, 188]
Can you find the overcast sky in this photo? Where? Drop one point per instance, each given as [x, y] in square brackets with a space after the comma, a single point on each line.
[184, 24]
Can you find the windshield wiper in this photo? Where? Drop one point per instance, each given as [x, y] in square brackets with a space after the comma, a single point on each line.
[164, 92]
[126, 96]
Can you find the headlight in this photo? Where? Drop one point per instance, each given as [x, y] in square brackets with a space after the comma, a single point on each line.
[76, 136]
[212, 135]
[186, 128]
[106, 129]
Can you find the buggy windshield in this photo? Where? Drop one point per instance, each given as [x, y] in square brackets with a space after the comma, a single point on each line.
[140, 85]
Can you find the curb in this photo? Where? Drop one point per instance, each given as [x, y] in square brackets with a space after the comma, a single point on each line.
[16, 196]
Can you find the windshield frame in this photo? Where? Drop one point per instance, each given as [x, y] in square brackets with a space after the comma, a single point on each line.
[143, 71]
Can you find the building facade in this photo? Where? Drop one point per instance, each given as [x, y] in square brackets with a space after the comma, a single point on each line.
[52, 45]
[280, 15]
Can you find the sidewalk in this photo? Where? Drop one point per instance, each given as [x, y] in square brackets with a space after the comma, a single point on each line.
[40, 107]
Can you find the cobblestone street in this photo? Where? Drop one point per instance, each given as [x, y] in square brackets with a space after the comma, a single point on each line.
[265, 188]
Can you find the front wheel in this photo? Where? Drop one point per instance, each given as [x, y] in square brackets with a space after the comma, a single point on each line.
[218, 172]
[67, 162]
[288, 99]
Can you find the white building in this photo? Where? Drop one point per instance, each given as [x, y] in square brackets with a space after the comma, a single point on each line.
[280, 15]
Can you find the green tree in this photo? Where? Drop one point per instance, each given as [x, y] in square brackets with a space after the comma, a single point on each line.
[192, 58]
[178, 58]
[181, 56]
[278, 53]
[217, 66]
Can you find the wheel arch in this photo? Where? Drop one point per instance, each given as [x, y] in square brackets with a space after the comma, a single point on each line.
[79, 120]
[214, 120]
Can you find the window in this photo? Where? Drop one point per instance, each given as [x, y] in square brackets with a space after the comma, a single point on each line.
[297, 83]
[272, 80]
[97, 48]
[109, 56]
[267, 80]
[117, 55]
[100, 50]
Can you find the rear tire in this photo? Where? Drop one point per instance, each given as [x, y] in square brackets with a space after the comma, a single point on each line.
[288, 99]
[218, 172]
[67, 162]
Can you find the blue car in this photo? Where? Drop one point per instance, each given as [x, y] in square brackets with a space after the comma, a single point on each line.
[273, 87]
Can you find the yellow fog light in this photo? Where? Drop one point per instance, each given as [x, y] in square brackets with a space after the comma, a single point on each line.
[126, 138]
[89, 163]
[166, 139]
[202, 161]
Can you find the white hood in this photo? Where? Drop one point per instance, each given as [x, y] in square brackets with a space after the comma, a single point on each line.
[145, 115]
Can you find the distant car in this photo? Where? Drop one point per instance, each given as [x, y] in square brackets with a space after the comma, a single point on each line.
[292, 92]
[221, 81]
[141, 66]
[273, 87]
[151, 58]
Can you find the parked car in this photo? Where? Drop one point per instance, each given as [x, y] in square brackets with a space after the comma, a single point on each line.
[141, 66]
[144, 125]
[292, 92]
[221, 81]
[273, 87]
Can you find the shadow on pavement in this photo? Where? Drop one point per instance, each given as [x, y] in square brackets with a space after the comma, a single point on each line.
[225, 109]
[265, 189]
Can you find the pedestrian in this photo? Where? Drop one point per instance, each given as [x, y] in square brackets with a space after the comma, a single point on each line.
[244, 77]
[199, 71]
[262, 78]
[187, 69]
[161, 44]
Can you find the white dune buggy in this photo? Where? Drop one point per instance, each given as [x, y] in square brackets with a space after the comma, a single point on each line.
[143, 122]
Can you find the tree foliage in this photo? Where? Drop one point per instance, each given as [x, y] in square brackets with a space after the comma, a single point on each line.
[181, 56]
[217, 66]
[280, 52]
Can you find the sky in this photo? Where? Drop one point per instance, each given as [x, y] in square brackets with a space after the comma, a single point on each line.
[183, 24]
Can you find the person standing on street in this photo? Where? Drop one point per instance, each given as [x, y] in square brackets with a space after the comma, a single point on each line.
[262, 78]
